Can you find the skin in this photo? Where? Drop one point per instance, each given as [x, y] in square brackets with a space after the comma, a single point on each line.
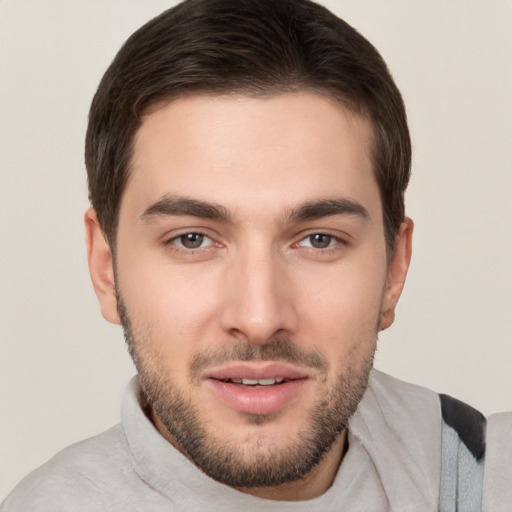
[258, 275]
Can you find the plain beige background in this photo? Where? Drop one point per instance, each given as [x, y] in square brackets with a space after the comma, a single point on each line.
[63, 369]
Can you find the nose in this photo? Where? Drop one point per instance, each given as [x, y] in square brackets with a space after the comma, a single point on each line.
[258, 297]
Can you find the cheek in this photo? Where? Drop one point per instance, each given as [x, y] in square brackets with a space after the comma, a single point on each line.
[341, 307]
[171, 307]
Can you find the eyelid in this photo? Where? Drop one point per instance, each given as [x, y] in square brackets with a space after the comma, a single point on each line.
[170, 243]
[341, 237]
[182, 247]
[334, 242]
[172, 234]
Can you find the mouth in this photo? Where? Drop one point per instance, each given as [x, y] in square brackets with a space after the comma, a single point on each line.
[257, 389]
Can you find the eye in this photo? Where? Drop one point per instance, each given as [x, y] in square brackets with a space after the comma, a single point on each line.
[192, 241]
[319, 241]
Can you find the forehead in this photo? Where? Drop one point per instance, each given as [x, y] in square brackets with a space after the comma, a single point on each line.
[253, 156]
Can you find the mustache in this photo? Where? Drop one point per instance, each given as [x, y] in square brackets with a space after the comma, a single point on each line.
[278, 349]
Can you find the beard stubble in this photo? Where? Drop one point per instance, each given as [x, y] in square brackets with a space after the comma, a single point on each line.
[223, 459]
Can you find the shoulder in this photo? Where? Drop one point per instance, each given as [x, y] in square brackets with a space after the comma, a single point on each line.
[399, 426]
[398, 395]
[406, 409]
[497, 495]
[75, 479]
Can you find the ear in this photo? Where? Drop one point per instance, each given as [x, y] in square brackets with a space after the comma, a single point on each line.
[397, 271]
[101, 266]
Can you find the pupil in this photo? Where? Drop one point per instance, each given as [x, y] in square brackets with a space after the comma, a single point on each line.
[320, 241]
[192, 240]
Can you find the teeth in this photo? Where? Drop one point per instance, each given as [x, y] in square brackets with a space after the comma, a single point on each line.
[266, 382]
[256, 382]
[261, 382]
[249, 382]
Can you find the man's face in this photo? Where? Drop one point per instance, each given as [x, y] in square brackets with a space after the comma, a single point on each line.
[251, 274]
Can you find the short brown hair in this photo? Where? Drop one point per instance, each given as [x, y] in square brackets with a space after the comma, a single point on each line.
[252, 47]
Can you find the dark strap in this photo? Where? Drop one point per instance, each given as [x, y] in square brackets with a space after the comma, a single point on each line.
[462, 457]
[467, 422]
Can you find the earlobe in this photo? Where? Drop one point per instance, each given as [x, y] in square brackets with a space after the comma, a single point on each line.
[101, 268]
[397, 272]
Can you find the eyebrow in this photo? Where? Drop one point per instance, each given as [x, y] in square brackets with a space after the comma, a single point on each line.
[327, 207]
[169, 205]
[312, 210]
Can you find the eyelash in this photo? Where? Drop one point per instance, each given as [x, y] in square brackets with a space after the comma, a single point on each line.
[177, 246]
[332, 238]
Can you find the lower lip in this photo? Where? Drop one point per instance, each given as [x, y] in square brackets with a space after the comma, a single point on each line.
[256, 399]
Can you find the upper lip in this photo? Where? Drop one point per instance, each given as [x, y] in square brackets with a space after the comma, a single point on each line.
[256, 371]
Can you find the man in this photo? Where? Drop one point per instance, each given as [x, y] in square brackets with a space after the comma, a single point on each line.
[247, 164]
